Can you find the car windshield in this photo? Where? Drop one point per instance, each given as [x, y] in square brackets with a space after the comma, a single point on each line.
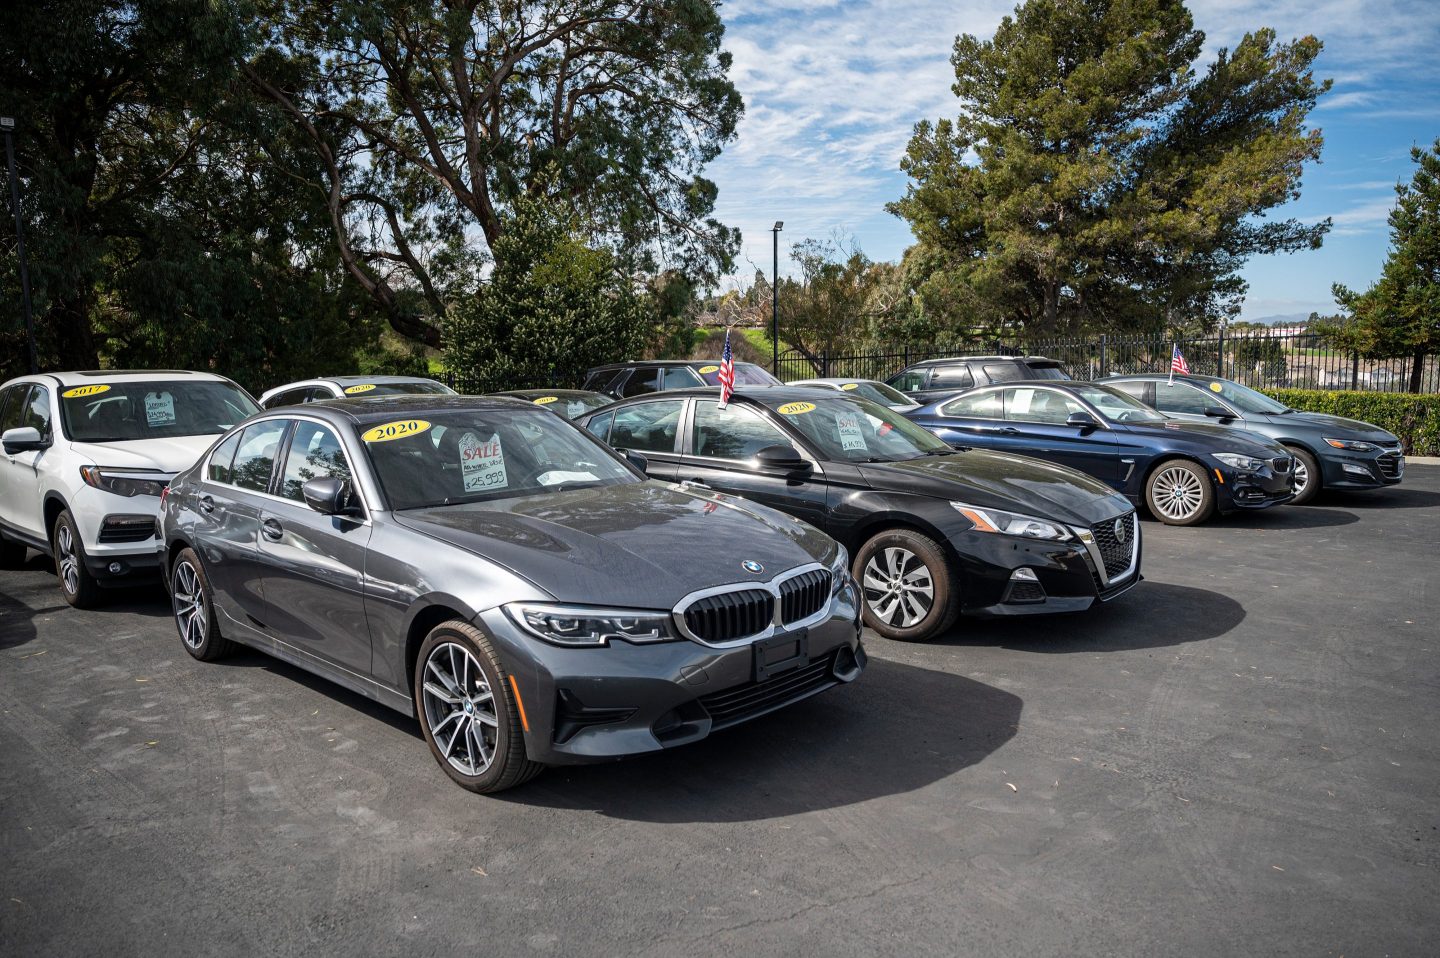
[1048, 372]
[878, 393]
[746, 374]
[159, 409]
[472, 455]
[423, 387]
[573, 405]
[857, 430]
[1115, 405]
[1246, 399]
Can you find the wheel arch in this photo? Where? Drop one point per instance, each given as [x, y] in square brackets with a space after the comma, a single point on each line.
[425, 614]
[1160, 459]
[53, 505]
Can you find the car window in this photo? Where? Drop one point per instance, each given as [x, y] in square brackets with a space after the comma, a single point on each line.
[1181, 398]
[36, 413]
[1115, 405]
[733, 432]
[979, 406]
[12, 405]
[290, 397]
[222, 459]
[418, 387]
[1025, 404]
[1135, 387]
[952, 377]
[596, 379]
[641, 381]
[1047, 372]
[599, 426]
[857, 430]
[315, 453]
[910, 381]
[647, 427]
[162, 409]
[1003, 372]
[681, 377]
[255, 457]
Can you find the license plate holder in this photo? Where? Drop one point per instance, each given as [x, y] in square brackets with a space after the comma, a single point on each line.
[781, 653]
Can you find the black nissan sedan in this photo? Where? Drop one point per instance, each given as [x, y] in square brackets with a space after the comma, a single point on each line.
[1184, 472]
[501, 574]
[934, 531]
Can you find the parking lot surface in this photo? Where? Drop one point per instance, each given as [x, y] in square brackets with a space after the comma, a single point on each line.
[1238, 757]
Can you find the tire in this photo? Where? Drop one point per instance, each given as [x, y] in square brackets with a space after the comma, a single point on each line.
[193, 603]
[903, 558]
[1307, 466]
[80, 588]
[12, 554]
[445, 670]
[1179, 493]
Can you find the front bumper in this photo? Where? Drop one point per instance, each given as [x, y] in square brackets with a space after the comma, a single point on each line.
[1066, 575]
[1235, 490]
[110, 527]
[592, 705]
[1361, 470]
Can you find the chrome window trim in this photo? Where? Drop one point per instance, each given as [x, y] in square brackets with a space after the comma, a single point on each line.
[771, 586]
[340, 433]
[1087, 539]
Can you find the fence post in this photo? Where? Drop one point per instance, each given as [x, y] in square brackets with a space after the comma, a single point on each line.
[1104, 357]
[1220, 354]
[1354, 371]
[906, 350]
[825, 363]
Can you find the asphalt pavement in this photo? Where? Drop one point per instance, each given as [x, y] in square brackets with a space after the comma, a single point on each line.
[1239, 757]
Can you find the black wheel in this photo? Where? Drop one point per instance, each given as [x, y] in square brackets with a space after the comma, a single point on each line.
[1179, 493]
[80, 588]
[194, 606]
[468, 710]
[905, 583]
[12, 554]
[1308, 480]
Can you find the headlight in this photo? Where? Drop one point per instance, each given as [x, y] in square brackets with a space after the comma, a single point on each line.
[1243, 463]
[1353, 445]
[587, 627]
[839, 570]
[122, 482]
[1012, 523]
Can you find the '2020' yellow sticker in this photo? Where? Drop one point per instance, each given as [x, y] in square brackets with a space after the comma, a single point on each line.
[79, 391]
[849, 386]
[709, 369]
[395, 430]
[352, 390]
[796, 408]
[546, 400]
[1214, 387]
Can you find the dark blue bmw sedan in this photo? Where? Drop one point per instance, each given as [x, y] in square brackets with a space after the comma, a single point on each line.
[1184, 472]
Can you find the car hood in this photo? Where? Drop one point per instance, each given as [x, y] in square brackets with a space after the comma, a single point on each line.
[637, 545]
[1000, 480]
[163, 455]
[1209, 438]
[1336, 427]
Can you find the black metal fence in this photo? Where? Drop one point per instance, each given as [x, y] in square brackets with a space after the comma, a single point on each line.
[1278, 358]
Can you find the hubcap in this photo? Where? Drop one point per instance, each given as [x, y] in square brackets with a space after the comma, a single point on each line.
[459, 709]
[69, 562]
[898, 587]
[1302, 477]
[1178, 493]
[190, 614]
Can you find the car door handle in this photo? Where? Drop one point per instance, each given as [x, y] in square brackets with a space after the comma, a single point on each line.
[272, 529]
[1008, 431]
[695, 481]
[207, 504]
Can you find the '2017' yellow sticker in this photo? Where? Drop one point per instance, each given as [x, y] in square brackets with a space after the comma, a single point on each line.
[395, 430]
[79, 391]
[709, 369]
[546, 400]
[352, 390]
[796, 408]
[849, 386]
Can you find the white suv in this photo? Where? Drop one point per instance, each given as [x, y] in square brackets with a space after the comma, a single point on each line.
[85, 458]
[350, 387]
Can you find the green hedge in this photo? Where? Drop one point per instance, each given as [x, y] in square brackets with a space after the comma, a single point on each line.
[1414, 418]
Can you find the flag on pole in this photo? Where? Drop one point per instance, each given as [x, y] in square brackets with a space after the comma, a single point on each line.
[727, 372]
[1178, 364]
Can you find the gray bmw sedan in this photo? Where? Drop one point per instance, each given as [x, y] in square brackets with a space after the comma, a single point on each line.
[499, 573]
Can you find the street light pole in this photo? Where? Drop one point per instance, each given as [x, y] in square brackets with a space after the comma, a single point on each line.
[775, 300]
[7, 125]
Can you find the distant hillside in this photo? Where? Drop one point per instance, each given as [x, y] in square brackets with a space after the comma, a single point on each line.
[1285, 319]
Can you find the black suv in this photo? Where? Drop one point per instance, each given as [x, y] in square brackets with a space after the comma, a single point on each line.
[934, 379]
[623, 380]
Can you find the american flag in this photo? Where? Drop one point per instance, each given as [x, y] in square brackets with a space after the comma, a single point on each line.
[727, 372]
[1178, 363]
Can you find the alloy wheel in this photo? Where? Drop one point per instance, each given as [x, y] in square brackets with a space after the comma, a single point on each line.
[459, 709]
[1178, 493]
[898, 587]
[69, 561]
[191, 616]
[1301, 476]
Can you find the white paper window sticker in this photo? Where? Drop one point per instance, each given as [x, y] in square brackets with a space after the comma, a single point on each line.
[159, 409]
[1020, 401]
[482, 463]
[851, 437]
[557, 477]
[574, 408]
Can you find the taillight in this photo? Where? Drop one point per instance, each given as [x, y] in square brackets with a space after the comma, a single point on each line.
[163, 493]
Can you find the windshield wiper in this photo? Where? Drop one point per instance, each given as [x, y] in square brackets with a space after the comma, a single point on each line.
[940, 452]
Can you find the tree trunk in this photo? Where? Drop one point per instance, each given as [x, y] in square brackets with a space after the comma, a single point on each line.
[1417, 372]
[69, 322]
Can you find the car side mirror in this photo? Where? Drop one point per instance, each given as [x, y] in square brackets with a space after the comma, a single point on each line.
[635, 459]
[1218, 412]
[327, 495]
[782, 457]
[22, 439]
[1081, 419]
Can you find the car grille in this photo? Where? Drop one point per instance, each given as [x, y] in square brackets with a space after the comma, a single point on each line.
[730, 615]
[804, 595]
[1389, 464]
[755, 698]
[1281, 464]
[127, 530]
[1115, 552]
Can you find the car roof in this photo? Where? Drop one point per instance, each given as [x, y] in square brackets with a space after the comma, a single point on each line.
[641, 363]
[834, 380]
[1183, 377]
[988, 359]
[762, 395]
[93, 376]
[562, 393]
[357, 380]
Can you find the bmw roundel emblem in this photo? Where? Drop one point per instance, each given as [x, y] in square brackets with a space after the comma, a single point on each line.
[752, 567]
[1121, 530]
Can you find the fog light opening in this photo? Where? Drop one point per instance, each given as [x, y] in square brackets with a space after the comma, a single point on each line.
[116, 568]
[1024, 588]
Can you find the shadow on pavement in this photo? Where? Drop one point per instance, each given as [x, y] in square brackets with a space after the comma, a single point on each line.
[1391, 497]
[1152, 615]
[1285, 517]
[896, 729]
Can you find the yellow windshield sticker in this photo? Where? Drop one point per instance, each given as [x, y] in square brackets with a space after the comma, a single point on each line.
[796, 408]
[849, 386]
[79, 391]
[365, 388]
[395, 430]
[1214, 387]
[709, 369]
[546, 400]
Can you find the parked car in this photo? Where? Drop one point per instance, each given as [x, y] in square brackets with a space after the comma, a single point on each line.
[570, 403]
[505, 577]
[1330, 452]
[338, 387]
[886, 396]
[934, 532]
[933, 379]
[87, 456]
[621, 380]
[1184, 472]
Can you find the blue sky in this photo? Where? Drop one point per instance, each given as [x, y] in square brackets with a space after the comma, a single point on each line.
[833, 88]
